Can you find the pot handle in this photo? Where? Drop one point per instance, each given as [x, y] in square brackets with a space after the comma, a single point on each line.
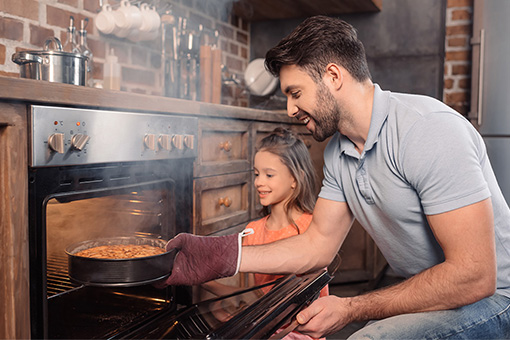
[26, 57]
[55, 41]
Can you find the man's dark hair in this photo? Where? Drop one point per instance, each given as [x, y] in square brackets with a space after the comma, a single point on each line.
[315, 43]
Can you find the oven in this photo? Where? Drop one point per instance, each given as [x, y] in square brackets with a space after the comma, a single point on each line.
[98, 174]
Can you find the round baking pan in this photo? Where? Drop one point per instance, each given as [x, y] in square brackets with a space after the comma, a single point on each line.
[119, 272]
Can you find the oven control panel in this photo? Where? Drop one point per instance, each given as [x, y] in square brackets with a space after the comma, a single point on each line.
[72, 136]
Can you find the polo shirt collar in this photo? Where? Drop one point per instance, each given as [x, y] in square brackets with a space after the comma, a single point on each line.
[380, 111]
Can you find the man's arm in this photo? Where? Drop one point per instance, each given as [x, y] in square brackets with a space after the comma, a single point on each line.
[467, 275]
[313, 249]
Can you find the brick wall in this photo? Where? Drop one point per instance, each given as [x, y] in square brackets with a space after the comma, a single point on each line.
[25, 25]
[457, 68]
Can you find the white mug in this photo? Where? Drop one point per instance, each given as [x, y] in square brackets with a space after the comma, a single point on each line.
[129, 16]
[105, 20]
[121, 25]
[156, 20]
[146, 18]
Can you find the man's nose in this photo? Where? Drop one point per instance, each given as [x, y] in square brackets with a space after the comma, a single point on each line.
[292, 109]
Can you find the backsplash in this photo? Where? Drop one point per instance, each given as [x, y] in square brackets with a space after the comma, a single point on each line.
[26, 24]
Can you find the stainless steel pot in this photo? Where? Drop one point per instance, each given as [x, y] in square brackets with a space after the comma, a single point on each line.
[52, 65]
[119, 272]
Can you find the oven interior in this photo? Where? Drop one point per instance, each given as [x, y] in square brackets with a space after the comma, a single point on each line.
[73, 204]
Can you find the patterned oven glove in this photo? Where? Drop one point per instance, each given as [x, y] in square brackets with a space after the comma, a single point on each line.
[204, 258]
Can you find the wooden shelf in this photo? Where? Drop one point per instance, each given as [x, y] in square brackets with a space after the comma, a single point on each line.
[258, 10]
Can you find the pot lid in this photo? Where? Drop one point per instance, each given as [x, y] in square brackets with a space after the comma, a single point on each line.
[52, 47]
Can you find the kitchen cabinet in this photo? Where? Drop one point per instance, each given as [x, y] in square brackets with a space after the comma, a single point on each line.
[14, 288]
[223, 183]
[221, 202]
[224, 191]
[361, 259]
[222, 175]
[222, 147]
[256, 10]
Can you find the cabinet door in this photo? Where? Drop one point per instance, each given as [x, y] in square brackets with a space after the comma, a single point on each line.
[361, 259]
[14, 278]
[224, 147]
[221, 202]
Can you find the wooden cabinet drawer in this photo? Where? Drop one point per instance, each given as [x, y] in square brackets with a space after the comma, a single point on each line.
[221, 202]
[224, 147]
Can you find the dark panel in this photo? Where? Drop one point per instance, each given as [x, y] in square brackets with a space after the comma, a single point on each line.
[419, 75]
[404, 43]
[255, 10]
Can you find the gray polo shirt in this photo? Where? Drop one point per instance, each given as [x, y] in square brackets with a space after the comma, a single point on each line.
[420, 158]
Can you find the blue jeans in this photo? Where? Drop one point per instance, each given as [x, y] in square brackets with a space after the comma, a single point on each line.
[488, 318]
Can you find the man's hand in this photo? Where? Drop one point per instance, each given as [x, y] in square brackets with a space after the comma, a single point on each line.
[324, 316]
[202, 258]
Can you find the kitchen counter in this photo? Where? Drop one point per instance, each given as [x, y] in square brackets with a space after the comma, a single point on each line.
[42, 92]
[15, 96]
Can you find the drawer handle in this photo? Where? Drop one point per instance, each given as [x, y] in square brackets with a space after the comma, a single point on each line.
[226, 201]
[227, 146]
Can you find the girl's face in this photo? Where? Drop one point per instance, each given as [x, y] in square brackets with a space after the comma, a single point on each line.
[273, 180]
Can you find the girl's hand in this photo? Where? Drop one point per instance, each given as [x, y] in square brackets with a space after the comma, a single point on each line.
[324, 316]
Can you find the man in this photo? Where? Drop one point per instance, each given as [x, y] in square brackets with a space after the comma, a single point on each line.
[412, 171]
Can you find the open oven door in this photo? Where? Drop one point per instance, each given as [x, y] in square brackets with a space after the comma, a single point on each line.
[255, 313]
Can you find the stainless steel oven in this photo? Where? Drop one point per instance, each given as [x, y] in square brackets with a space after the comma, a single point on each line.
[99, 173]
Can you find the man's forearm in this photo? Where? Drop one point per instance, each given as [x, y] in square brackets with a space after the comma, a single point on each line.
[292, 255]
[437, 288]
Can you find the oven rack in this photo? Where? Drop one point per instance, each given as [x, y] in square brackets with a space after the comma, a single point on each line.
[58, 280]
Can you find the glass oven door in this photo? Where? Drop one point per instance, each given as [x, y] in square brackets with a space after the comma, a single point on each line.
[255, 313]
[145, 210]
[71, 204]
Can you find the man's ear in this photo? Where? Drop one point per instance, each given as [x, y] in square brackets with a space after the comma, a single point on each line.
[334, 76]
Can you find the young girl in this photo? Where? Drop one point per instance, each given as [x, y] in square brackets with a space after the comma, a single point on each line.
[286, 183]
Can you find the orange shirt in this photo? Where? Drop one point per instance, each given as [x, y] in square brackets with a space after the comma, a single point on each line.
[262, 235]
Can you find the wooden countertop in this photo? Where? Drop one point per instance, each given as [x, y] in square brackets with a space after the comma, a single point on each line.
[47, 93]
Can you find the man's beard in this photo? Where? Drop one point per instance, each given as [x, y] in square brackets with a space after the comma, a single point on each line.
[327, 114]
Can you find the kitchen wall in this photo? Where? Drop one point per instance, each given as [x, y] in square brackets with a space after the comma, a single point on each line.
[412, 46]
[25, 25]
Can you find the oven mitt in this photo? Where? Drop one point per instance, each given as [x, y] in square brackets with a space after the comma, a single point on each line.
[204, 258]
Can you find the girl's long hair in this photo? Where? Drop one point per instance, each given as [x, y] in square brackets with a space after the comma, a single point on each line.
[295, 155]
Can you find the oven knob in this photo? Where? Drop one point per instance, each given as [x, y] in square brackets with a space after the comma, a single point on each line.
[166, 142]
[150, 141]
[79, 140]
[56, 142]
[188, 141]
[177, 141]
